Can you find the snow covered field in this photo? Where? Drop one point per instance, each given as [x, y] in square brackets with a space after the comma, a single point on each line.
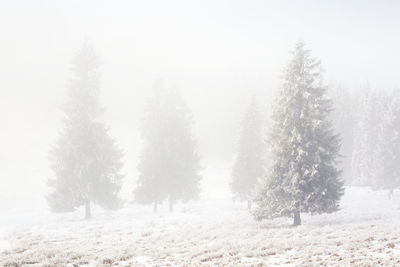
[366, 232]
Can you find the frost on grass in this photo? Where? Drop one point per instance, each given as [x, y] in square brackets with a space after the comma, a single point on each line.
[365, 232]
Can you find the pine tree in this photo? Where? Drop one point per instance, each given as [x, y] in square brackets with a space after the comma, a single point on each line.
[169, 164]
[249, 163]
[304, 148]
[86, 161]
[344, 120]
[366, 137]
[386, 172]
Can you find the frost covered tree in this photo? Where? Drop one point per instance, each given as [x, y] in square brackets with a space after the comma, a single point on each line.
[169, 166]
[249, 166]
[304, 176]
[86, 161]
[366, 137]
[344, 116]
[386, 171]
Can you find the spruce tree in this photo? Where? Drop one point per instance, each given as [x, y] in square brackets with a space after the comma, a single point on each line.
[86, 161]
[169, 165]
[249, 163]
[344, 120]
[386, 172]
[366, 134]
[304, 176]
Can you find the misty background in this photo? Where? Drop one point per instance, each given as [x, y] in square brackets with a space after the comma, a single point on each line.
[218, 53]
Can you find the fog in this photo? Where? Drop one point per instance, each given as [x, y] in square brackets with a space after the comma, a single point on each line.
[218, 54]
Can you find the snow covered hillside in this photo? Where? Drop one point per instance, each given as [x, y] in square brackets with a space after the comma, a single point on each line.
[364, 232]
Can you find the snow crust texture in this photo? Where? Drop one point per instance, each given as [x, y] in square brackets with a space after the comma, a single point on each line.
[365, 232]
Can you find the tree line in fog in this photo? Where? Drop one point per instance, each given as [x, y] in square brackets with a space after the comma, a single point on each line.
[293, 161]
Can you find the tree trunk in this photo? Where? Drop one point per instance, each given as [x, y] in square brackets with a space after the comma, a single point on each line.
[171, 204]
[155, 206]
[296, 218]
[249, 204]
[88, 213]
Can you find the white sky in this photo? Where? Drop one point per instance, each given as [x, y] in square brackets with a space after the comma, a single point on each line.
[217, 52]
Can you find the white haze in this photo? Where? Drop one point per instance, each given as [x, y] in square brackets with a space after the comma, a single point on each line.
[218, 53]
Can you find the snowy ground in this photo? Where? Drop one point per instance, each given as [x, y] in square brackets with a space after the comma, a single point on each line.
[365, 232]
